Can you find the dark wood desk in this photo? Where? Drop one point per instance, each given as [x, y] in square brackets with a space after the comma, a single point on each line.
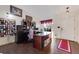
[42, 41]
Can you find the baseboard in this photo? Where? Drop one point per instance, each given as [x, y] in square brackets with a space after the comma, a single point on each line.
[68, 39]
[78, 42]
[6, 44]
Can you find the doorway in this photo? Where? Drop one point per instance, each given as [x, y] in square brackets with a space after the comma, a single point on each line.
[68, 26]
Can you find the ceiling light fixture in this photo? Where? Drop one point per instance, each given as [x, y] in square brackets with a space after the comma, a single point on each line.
[67, 9]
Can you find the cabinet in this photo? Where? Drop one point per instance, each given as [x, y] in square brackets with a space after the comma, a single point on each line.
[7, 31]
[22, 34]
[42, 41]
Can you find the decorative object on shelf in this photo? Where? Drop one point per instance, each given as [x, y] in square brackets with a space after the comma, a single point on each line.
[15, 11]
[2, 27]
[7, 27]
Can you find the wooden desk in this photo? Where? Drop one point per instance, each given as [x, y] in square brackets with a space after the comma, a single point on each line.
[42, 41]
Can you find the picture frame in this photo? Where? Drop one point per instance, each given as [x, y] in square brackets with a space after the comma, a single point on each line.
[29, 18]
[15, 11]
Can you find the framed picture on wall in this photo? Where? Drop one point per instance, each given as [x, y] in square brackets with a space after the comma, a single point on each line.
[29, 18]
[15, 11]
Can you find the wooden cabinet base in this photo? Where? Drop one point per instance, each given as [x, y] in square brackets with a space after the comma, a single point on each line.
[47, 49]
[43, 43]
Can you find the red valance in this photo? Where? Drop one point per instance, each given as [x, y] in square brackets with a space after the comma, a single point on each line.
[46, 21]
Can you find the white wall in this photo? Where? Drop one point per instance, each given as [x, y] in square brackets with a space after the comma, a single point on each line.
[43, 12]
[58, 14]
[73, 16]
[39, 12]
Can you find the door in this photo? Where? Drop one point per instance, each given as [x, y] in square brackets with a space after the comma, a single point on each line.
[67, 28]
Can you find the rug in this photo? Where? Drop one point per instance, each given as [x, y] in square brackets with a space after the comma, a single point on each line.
[64, 45]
